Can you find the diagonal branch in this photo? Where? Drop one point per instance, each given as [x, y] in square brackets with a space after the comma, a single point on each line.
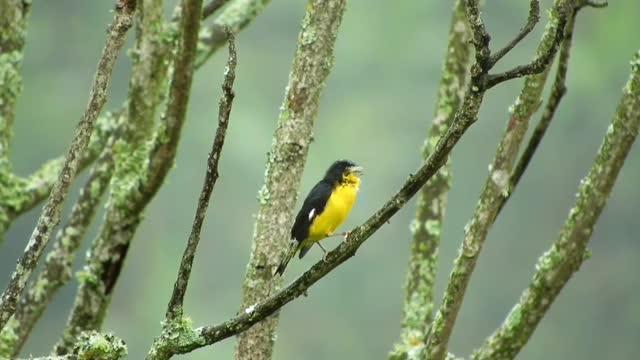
[213, 6]
[494, 190]
[188, 339]
[58, 265]
[237, 15]
[540, 62]
[432, 198]
[136, 182]
[558, 91]
[564, 258]
[174, 309]
[50, 216]
[532, 20]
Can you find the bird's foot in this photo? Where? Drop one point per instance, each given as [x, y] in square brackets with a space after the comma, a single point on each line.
[346, 236]
[324, 257]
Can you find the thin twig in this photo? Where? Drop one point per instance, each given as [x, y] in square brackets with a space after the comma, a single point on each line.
[174, 309]
[50, 216]
[568, 252]
[532, 20]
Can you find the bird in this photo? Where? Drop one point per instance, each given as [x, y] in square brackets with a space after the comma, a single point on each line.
[324, 209]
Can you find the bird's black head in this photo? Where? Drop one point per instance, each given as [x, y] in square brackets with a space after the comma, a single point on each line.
[341, 170]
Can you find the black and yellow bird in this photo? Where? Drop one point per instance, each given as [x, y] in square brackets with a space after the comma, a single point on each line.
[325, 208]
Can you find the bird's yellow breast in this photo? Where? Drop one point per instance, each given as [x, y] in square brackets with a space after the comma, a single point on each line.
[336, 211]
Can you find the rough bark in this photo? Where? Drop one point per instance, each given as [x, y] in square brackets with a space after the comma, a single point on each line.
[426, 228]
[140, 171]
[496, 186]
[311, 66]
[50, 216]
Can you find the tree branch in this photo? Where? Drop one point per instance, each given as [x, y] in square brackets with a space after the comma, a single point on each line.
[432, 198]
[564, 258]
[50, 216]
[136, 182]
[13, 27]
[311, 66]
[558, 91]
[212, 7]
[237, 15]
[532, 20]
[174, 316]
[542, 60]
[13, 23]
[58, 266]
[175, 306]
[494, 190]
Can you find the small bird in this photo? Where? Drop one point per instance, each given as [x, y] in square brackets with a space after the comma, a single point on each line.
[325, 208]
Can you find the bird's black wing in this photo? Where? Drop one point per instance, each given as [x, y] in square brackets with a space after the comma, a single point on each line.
[313, 206]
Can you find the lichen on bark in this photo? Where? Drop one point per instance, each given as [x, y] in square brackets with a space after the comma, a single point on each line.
[311, 66]
[426, 228]
[568, 252]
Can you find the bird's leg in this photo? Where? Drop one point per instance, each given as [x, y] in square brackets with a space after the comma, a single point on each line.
[345, 235]
[324, 257]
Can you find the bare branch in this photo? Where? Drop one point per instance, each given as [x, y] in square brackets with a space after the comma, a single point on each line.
[532, 20]
[542, 60]
[432, 198]
[564, 258]
[174, 309]
[50, 216]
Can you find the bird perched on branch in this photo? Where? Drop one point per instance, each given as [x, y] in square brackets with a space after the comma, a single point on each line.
[325, 208]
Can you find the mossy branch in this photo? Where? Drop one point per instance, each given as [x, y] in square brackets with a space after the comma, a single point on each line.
[50, 216]
[236, 15]
[495, 188]
[58, 265]
[568, 252]
[191, 339]
[432, 198]
[13, 29]
[139, 175]
[285, 164]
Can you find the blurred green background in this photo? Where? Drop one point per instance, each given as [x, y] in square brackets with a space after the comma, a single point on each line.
[376, 110]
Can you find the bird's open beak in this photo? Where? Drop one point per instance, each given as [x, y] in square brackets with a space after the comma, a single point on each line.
[358, 170]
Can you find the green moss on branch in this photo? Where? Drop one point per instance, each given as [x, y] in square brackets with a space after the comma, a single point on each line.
[311, 66]
[566, 255]
[426, 228]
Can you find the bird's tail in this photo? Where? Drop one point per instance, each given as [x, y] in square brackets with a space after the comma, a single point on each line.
[295, 245]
